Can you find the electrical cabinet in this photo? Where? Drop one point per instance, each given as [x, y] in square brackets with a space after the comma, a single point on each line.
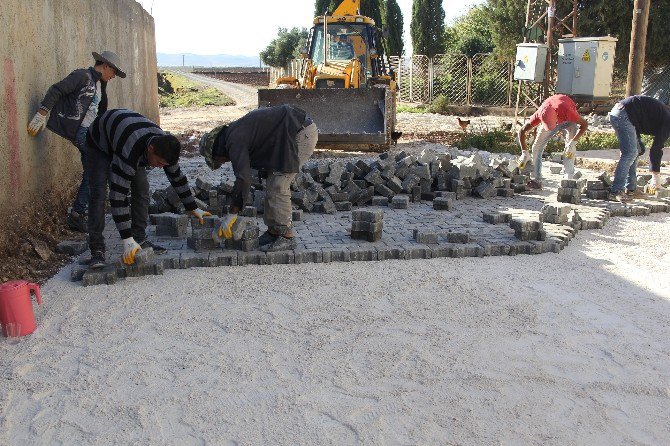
[585, 67]
[530, 62]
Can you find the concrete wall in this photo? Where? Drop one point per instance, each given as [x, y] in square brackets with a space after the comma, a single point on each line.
[42, 42]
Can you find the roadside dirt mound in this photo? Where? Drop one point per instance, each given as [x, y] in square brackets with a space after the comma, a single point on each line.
[255, 79]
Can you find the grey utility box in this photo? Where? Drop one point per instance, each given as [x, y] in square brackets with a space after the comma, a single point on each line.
[585, 67]
[530, 62]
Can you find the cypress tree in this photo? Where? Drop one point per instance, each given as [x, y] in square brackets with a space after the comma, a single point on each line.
[394, 24]
[427, 27]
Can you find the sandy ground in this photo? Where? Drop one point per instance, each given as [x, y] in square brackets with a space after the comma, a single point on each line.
[570, 348]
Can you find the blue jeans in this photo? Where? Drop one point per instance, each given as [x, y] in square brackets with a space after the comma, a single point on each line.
[625, 174]
[83, 193]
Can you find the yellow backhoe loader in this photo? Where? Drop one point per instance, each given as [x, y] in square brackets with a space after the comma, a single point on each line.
[345, 84]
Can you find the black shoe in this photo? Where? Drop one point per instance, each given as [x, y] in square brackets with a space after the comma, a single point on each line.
[266, 238]
[77, 222]
[280, 244]
[158, 249]
[97, 260]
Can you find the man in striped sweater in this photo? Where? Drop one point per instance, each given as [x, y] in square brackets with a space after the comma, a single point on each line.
[122, 144]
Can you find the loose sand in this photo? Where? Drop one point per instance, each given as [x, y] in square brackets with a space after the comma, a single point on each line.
[569, 348]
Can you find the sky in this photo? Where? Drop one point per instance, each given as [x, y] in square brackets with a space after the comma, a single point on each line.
[246, 27]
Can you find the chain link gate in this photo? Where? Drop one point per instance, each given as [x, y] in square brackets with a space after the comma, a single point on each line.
[450, 78]
[490, 81]
[414, 80]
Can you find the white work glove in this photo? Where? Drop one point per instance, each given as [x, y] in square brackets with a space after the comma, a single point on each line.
[570, 149]
[36, 124]
[200, 214]
[523, 159]
[130, 248]
[654, 184]
[226, 226]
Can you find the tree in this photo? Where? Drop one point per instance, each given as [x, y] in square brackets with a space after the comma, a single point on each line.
[323, 5]
[471, 33]
[393, 23]
[507, 18]
[372, 9]
[427, 27]
[284, 47]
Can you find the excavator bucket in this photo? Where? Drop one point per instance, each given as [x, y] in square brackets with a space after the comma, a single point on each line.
[343, 116]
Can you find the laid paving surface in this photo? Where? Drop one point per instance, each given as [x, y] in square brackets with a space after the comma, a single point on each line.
[323, 238]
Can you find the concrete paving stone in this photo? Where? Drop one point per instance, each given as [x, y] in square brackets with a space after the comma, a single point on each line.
[336, 255]
[416, 194]
[367, 215]
[595, 185]
[280, 258]
[296, 215]
[72, 247]
[77, 272]
[418, 252]
[505, 192]
[104, 276]
[569, 184]
[662, 193]
[442, 204]
[249, 211]
[521, 247]
[198, 244]
[170, 260]
[494, 249]
[395, 185]
[193, 260]
[364, 226]
[339, 197]
[242, 245]
[145, 256]
[357, 254]
[171, 231]
[400, 202]
[211, 221]
[380, 201]
[366, 235]
[425, 237]
[390, 253]
[308, 256]
[251, 258]
[143, 269]
[473, 250]
[457, 237]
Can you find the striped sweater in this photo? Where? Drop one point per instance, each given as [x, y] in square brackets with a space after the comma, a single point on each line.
[125, 135]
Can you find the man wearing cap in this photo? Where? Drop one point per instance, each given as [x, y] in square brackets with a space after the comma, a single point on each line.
[74, 103]
[558, 113]
[630, 118]
[276, 141]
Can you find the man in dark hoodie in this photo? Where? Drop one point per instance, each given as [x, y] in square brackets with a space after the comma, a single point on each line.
[74, 103]
[630, 118]
[274, 140]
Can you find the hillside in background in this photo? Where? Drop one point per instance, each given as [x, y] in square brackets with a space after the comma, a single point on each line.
[199, 60]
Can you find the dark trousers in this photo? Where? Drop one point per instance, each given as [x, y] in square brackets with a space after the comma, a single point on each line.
[99, 164]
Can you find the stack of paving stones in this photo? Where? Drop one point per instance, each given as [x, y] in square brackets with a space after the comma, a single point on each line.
[203, 236]
[327, 187]
[570, 191]
[170, 224]
[245, 236]
[597, 189]
[367, 225]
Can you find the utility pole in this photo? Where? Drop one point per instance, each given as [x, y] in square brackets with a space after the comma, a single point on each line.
[183, 60]
[638, 42]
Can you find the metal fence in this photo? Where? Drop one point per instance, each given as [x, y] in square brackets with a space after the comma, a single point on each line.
[479, 80]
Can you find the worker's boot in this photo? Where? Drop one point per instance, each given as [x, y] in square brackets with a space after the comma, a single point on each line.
[77, 222]
[283, 242]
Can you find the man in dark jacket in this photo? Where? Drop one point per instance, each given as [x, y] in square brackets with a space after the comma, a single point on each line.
[74, 102]
[630, 118]
[274, 140]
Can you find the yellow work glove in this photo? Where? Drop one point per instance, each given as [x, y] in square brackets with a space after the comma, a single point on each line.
[654, 184]
[523, 159]
[36, 124]
[130, 248]
[200, 214]
[226, 227]
[570, 150]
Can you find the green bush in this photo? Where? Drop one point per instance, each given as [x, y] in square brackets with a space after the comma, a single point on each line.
[497, 141]
[440, 105]
[593, 141]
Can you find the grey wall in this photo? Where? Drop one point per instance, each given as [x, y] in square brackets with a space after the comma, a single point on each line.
[41, 42]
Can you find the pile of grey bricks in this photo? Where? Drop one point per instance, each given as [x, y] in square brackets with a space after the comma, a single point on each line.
[367, 225]
[329, 186]
[570, 191]
[204, 237]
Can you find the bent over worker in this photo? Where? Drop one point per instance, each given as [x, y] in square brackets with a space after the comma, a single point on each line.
[274, 140]
[630, 118]
[558, 113]
[74, 103]
[122, 144]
